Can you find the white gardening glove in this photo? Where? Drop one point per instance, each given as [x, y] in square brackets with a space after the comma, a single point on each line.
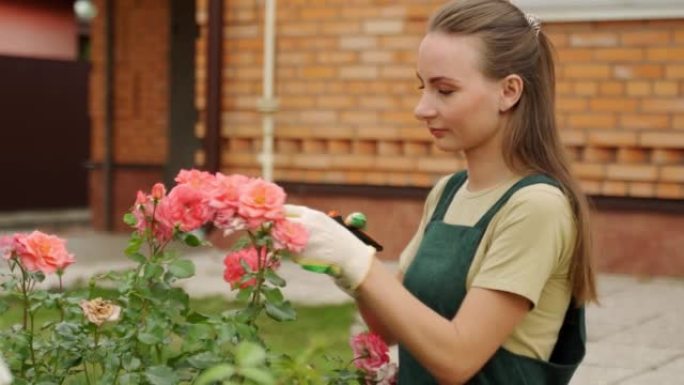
[5, 375]
[330, 244]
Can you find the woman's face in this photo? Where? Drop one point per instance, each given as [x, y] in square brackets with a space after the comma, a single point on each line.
[459, 105]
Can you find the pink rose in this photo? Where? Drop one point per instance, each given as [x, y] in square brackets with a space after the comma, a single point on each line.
[6, 246]
[196, 179]
[234, 271]
[185, 207]
[370, 351]
[260, 202]
[386, 375]
[224, 196]
[290, 235]
[144, 208]
[41, 252]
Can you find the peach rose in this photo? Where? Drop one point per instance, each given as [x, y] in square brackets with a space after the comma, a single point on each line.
[42, 252]
[260, 202]
[225, 198]
[290, 235]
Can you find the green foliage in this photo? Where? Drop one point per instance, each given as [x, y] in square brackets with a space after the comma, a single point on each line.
[158, 337]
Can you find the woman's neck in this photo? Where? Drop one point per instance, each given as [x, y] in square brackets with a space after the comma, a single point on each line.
[487, 170]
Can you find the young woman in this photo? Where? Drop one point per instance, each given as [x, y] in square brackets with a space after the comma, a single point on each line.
[492, 286]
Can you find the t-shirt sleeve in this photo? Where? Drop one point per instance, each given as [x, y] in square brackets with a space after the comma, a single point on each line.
[409, 252]
[532, 238]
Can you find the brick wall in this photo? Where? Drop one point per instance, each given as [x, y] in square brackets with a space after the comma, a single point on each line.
[346, 86]
[140, 82]
[141, 88]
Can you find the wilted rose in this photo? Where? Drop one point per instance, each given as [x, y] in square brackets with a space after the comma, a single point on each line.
[99, 310]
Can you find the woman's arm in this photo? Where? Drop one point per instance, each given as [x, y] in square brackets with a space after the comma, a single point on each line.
[372, 319]
[451, 350]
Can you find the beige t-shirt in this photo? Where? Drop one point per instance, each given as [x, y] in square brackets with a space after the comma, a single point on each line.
[525, 250]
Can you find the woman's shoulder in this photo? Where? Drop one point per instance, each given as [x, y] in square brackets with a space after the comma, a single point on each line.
[543, 196]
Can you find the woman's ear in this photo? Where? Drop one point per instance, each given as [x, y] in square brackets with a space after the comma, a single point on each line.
[511, 90]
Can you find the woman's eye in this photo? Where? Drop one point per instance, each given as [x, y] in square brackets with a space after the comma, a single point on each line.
[446, 92]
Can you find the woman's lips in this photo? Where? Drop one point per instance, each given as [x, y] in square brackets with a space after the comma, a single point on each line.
[438, 132]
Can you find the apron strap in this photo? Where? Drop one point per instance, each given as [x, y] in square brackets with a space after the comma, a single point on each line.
[452, 186]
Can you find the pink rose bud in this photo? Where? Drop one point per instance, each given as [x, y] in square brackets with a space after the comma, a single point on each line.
[158, 191]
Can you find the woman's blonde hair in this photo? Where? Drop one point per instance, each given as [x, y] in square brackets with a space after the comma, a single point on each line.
[514, 44]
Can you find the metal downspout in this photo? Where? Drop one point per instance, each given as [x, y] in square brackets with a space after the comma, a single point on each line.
[268, 104]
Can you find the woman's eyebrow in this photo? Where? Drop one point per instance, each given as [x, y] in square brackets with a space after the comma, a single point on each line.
[436, 79]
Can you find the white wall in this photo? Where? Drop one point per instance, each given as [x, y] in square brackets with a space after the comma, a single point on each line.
[578, 10]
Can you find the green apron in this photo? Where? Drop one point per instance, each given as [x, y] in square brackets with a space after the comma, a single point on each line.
[437, 277]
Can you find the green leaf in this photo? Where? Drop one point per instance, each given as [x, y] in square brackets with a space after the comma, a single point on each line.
[217, 373]
[130, 219]
[192, 240]
[274, 278]
[133, 244]
[260, 376]
[136, 257]
[203, 360]
[249, 354]
[182, 268]
[152, 271]
[130, 363]
[243, 294]
[161, 375]
[240, 244]
[281, 312]
[129, 379]
[273, 295]
[196, 317]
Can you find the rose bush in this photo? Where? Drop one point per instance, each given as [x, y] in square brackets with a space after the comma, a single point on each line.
[146, 333]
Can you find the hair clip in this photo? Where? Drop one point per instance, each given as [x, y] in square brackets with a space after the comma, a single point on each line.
[534, 22]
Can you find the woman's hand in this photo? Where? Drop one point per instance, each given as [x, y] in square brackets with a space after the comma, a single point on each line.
[333, 245]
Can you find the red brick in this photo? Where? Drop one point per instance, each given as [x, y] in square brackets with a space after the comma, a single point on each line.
[614, 188]
[586, 88]
[666, 88]
[665, 140]
[593, 39]
[573, 137]
[619, 54]
[675, 72]
[645, 121]
[672, 174]
[592, 120]
[612, 88]
[596, 171]
[640, 71]
[415, 148]
[613, 104]
[339, 147]
[313, 146]
[669, 191]
[575, 55]
[598, 154]
[632, 173]
[591, 187]
[389, 148]
[395, 163]
[666, 156]
[571, 104]
[646, 38]
[662, 105]
[627, 155]
[639, 88]
[665, 54]
[641, 189]
[587, 71]
[288, 146]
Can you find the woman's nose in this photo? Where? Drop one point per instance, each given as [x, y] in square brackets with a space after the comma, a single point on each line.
[424, 109]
